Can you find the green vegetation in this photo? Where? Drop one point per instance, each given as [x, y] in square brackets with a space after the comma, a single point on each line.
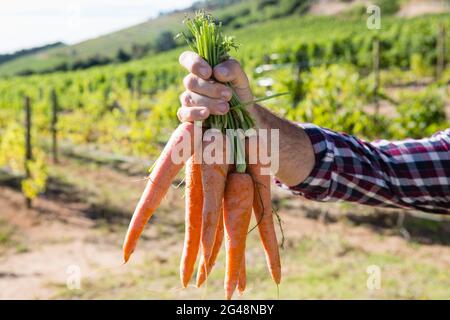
[6, 233]
[7, 57]
[389, 6]
[337, 97]
[420, 114]
[9, 239]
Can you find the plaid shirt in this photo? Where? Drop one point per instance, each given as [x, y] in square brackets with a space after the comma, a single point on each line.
[410, 174]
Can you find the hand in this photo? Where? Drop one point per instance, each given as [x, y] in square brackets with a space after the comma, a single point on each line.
[203, 96]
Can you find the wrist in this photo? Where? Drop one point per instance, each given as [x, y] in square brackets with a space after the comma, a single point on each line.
[254, 111]
[260, 116]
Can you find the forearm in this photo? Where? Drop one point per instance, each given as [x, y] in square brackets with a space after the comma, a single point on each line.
[296, 154]
[412, 174]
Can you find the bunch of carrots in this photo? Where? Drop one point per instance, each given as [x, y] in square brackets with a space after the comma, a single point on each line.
[219, 196]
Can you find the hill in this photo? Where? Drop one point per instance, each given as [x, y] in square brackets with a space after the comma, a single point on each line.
[24, 52]
[142, 39]
[137, 40]
[156, 35]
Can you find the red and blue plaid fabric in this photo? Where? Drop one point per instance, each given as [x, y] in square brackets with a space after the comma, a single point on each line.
[410, 174]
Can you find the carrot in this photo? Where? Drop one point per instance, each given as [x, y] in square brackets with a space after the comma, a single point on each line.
[204, 269]
[237, 212]
[242, 281]
[160, 179]
[213, 182]
[262, 208]
[194, 205]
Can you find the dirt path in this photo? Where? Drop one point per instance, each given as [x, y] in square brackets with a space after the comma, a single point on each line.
[51, 245]
[59, 234]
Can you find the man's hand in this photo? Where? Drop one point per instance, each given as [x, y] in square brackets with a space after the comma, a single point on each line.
[204, 96]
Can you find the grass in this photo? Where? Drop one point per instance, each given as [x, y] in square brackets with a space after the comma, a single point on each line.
[6, 234]
[9, 239]
[107, 202]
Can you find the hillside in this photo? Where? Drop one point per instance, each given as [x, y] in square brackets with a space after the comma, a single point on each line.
[104, 46]
[25, 52]
[146, 33]
[145, 39]
[142, 39]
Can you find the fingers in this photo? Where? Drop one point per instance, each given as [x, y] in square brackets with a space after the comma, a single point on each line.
[215, 106]
[191, 114]
[204, 96]
[207, 88]
[231, 71]
[195, 64]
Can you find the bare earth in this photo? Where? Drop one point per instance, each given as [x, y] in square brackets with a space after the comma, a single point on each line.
[419, 7]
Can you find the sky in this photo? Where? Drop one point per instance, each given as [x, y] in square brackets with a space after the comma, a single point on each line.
[30, 23]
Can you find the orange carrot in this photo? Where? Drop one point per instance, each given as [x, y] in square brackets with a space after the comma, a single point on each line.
[237, 212]
[194, 205]
[262, 208]
[204, 269]
[242, 281]
[213, 182]
[159, 181]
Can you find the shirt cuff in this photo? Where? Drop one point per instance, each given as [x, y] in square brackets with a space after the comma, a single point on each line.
[316, 186]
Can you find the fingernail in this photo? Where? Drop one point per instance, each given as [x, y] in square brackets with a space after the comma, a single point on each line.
[203, 71]
[223, 71]
[226, 94]
[204, 113]
[223, 107]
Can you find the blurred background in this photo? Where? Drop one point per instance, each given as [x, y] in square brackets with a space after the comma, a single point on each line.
[88, 96]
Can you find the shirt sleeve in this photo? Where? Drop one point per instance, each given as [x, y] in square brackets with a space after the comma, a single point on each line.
[411, 174]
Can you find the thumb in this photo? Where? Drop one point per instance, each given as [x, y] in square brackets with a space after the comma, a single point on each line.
[231, 71]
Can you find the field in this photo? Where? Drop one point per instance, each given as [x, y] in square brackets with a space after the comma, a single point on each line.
[111, 121]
